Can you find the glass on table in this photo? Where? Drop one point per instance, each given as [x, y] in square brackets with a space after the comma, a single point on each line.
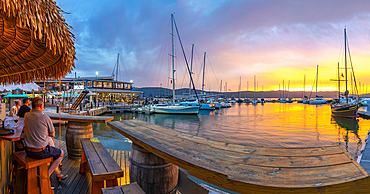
[16, 119]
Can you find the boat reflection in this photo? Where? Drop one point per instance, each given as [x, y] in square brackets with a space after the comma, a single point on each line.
[184, 123]
[346, 127]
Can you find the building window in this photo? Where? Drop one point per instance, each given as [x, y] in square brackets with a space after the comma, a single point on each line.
[107, 85]
[89, 84]
[97, 84]
[119, 85]
[128, 86]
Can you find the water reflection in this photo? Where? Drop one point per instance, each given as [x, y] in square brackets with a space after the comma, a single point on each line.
[348, 129]
[271, 125]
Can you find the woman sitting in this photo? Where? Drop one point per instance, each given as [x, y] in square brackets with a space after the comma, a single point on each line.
[14, 110]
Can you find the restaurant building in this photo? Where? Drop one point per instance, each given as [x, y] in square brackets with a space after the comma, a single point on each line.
[105, 88]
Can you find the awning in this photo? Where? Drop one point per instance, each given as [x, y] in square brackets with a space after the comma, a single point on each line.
[17, 96]
[35, 42]
[25, 87]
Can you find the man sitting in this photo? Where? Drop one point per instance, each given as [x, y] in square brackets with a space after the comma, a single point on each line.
[38, 130]
[24, 108]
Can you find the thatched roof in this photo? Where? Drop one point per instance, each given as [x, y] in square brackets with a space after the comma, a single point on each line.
[35, 41]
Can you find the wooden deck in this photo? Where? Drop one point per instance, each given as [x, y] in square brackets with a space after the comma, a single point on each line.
[77, 183]
[251, 169]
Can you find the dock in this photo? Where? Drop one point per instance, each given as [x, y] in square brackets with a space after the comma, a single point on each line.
[77, 183]
[129, 108]
[364, 158]
[364, 114]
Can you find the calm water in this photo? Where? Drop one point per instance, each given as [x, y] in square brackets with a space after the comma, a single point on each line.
[271, 125]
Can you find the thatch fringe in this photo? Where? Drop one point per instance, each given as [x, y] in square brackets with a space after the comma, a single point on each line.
[34, 34]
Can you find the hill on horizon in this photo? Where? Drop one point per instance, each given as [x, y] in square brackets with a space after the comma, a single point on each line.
[160, 91]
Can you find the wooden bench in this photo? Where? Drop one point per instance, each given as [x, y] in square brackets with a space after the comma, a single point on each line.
[132, 188]
[96, 159]
[36, 171]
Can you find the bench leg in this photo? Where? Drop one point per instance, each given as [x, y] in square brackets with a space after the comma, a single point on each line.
[96, 187]
[83, 164]
[45, 180]
[112, 183]
[32, 187]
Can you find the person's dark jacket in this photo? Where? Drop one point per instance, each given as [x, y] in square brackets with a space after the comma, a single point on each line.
[22, 110]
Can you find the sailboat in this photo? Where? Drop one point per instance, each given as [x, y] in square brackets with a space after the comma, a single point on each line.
[345, 107]
[174, 109]
[255, 100]
[288, 99]
[318, 99]
[281, 99]
[246, 99]
[239, 95]
[195, 102]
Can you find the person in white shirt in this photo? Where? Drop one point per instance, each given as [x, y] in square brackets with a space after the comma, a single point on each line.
[14, 110]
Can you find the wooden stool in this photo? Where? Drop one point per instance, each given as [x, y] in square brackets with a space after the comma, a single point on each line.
[34, 181]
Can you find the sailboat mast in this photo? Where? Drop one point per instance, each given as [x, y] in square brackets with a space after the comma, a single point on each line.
[247, 88]
[345, 63]
[283, 90]
[221, 87]
[338, 82]
[279, 92]
[288, 88]
[317, 77]
[173, 63]
[117, 67]
[204, 68]
[240, 85]
[304, 86]
[191, 68]
[254, 93]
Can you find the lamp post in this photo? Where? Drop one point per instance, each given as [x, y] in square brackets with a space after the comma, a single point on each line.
[96, 73]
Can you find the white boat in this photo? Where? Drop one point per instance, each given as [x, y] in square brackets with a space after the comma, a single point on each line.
[232, 101]
[174, 109]
[365, 101]
[317, 101]
[306, 102]
[217, 105]
[254, 101]
[202, 106]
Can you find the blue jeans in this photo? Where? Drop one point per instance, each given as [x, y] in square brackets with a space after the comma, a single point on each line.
[46, 153]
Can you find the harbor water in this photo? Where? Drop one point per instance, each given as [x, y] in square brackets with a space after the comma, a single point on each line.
[269, 125]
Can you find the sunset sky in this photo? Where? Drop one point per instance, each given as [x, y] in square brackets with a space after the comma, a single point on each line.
[273, 40]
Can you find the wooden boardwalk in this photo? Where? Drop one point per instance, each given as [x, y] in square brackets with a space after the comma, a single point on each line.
[77, 183]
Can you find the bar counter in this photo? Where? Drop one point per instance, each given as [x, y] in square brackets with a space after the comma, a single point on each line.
[7, 148]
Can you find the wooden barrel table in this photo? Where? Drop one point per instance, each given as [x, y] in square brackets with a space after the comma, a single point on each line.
[75, 132]
[154, 174]
[78, 127]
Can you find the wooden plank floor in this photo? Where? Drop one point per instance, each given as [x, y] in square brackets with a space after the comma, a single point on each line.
[77, 183]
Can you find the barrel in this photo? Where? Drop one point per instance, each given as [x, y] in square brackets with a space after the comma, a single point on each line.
[75, 132]
[154, 174]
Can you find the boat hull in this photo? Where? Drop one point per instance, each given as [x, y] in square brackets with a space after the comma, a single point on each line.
[345, 111]
[317, 101]
[179, 110]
